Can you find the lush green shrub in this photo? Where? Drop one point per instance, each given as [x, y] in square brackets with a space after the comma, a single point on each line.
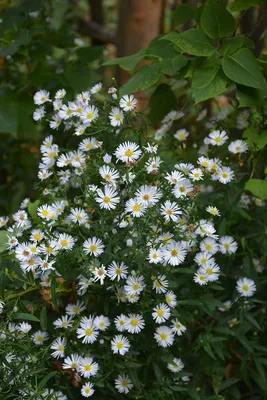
[132, 274]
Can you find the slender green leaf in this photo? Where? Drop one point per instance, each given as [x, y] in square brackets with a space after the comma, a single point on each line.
[26, 317]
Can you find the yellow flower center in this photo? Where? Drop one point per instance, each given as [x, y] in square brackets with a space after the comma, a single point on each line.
[88, 332]
[93, 248]
[128, 153]
[106, 199]
[174, 253]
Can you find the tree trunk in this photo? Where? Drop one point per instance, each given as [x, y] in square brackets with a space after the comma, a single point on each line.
[139, 23]
[97, 15]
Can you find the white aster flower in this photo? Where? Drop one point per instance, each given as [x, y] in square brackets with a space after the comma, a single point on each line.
[128, 152]
[123, 384]
[161, 313]
[93, 246]
[246, 287]
[176, 365]
[134, 323]
[164, 336]
[116, 117]
[238, 146]
[128, 102]
[120, 345]
[108, 198]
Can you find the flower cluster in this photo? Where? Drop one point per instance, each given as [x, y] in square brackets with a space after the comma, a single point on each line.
[114, 229]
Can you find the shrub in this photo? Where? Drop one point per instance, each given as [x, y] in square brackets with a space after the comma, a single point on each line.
[125, 277]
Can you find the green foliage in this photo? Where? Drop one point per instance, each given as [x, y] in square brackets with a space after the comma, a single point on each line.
[257, 187]
[208, 83]
[161, 102]
[216, 21]
[182, 14]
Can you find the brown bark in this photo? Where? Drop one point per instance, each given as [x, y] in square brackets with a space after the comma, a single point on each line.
[139, 23]
[97, 16]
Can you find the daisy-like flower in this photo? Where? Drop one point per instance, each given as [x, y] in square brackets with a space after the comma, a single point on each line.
[217, 138]
[109, 174]
[77, 158]
[87, 389]
[87, 367]
[123, 384]
[153, 164]
[116, 117]
[213, 210]
[160, 284]
[78, 215]
[204, 258]
[99, 274]
[65, 241]
[182, 188]
[164, 336]
[117, 271]
[226, 306]
[101, 322]
[45, 211]
[148, 195]
[120, 322]
[59, 346]
[175, 177]
[64, 322]
[257, 265]
[89, 114]
[196, 174]
[211, 270]
[172, 116]
[233, 322]
[178, 327]
[134, 323]
[39, 114]
[60, 94]
[181, 135]
[174, 253]
[39, 337]
[36, 235]
[128, 102]
[108, 198]
[176, 365]
[96, 88]
[120, 345]
[128, 152]
[238, 146]
[161, 313]
[41, 97]
[209, 245]
[201, 278]
[155, 256]
[87, 330]
[227, 245]
[134, 207]
[170, 211]
[76, 308]
[134, 285]
[72, 362]
[246, 287]
[93, 246]
[170, 299]
[24, 327]
[225, 175]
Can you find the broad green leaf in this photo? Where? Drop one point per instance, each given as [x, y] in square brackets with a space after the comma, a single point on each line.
[80, 77]
[216, 21]
[240, 5]
[242, 67]
[144, 78]
[3, 240]
[128, 63]
[257, 187]
[161, 102]
[161, 49]
[230, 45]
[194, 41]
[249, 97]
[182, 14]
[26, 317]
[208, 83]
[32, 208]
[170, 66]
[59, 8]
[89, 54]
[261, 140]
